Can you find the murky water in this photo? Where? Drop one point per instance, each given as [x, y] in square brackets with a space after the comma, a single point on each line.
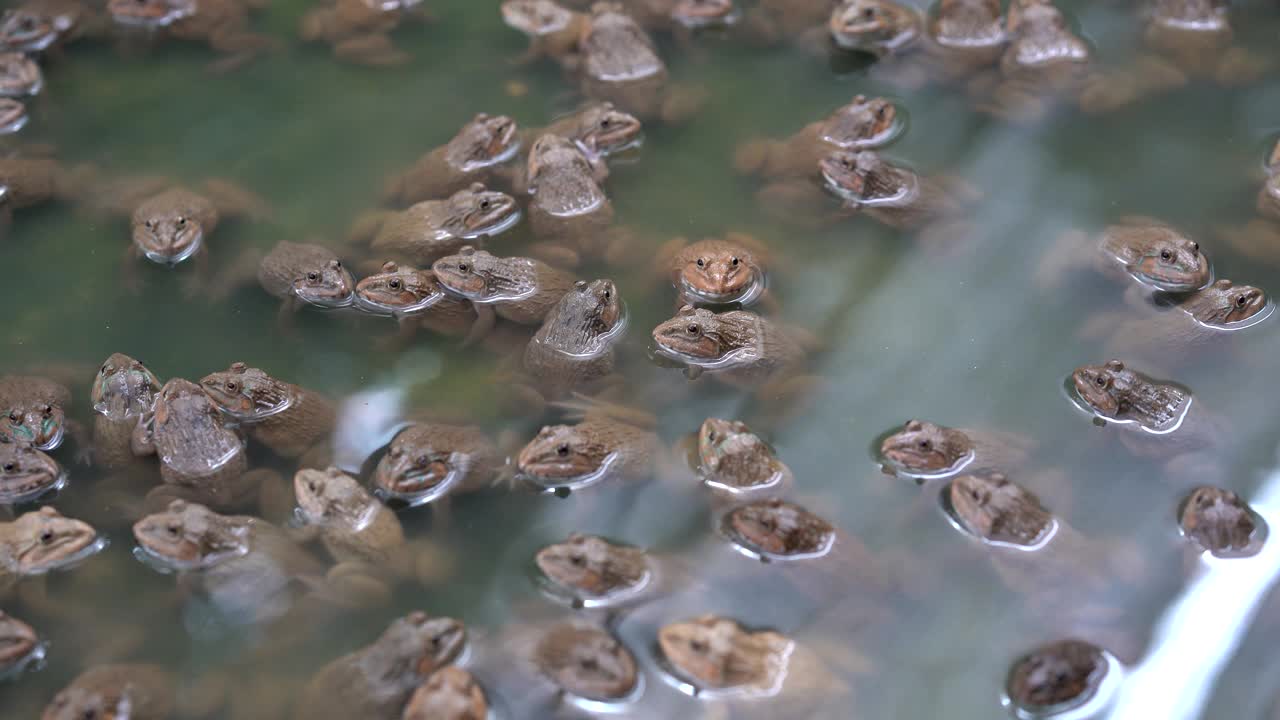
[961, 335]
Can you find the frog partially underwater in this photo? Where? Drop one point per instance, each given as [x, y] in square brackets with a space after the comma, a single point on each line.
[288, 419]
[221, 24]
[432, 229]
[522, 290]
[359, 31]
[925, 450]
[35, 412]
[471, 156]
[1149, 251]
[425, 461]
[123, 395]
[717, 270]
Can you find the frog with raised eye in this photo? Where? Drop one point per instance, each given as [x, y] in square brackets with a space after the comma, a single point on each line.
[737, 462]
[45, 26]
[865, 123]
[428, 460]
[1220, 522]
[35, 544]
[1056, 676]
[473, 155]
[416, 300]
[520, 289]
[298, 274]
[1152, 252]
[359, 31]
[35, 412]
[598, 129]
[432, 229]
[717, 270]
[737, 347]
[288, 419]
[923, 449]
[26, 473]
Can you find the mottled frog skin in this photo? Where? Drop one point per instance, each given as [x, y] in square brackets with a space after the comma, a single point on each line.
[1220, 521]
[732, 457]
[1063, 673]
[591, 569]
[221, 24]
[1116, 392]
[417, 300]
[42, 540]
[425, 459]
[471, 156]
[287, 418]
[306, 274]
[926, 449]
[738, 347]
[451, 693]
[716, 653]
[116, 692]
[586, 662]
[26, 473]
[359, 30]
[600, 447]
[1150, 251]
[897, 196]
[522, 290]
[863, 124]
[574, 347]
[35, 411]
[568, 205]
[993, 508]
[123, 395]
[432, 229]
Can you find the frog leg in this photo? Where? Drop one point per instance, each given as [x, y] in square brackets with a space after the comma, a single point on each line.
[486, 318]
[556, 254]
[798, 202]
[433, 565]
[1109, 91]
[356, 585]
[289, 307]
[235, 201]
[275, 499]
[240, 47]
[241, 272]
[1258, 240]
[197, 281]
[403, 338]
[366, 227]
[373, 50]
[129, 272]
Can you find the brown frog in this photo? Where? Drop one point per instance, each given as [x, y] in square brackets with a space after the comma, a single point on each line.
[553, 30]
[715, 271]
[221, 24]
[717, 656]
[13, 116]
[1150, 251]
[960, 39]
[376, 681]
[591, 571]
[28, 180]
[471, 156]
[863, 124]
[1056, 677]
[451, 693]
[574, 347]
[19, 75]
[39, 26]
[299, 274]
[569, 209]
[1259, 239]
[734, 460]
[19, 645]
[598, 129]
[35, 413]
[1043, 64]
[359, 30]
[933, 206]
[432, 229]
[245, 566]
[124, 393]
[117, 692]
[923, 450]
[620, 64]
[286, 418]
[737, 347]
[1206, 317]
[38, 543]
[587, 662]
[1196, 37]
[1222, 523]
[426, 461]
[26, 473]
[522, 290]
[415, 299]
[606, 444]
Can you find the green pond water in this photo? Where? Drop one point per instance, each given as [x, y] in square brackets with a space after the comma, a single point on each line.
[961, 335]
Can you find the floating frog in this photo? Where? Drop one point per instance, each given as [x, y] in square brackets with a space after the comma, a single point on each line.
[863, 124]
[574, 347]
[1150, 251]
[735, 461]
[124, 393]
[924, 450]
[299, 274]
[19, 645]
[39, 26]
[19, 75]
[245, 566]
[26, 473]
[35, 413]
[221, 24]
[553, 30]
[114, 692]
[606, 444]
[715, 271]
[718, 656]
[286, 418]
[522, 290]
[587, 662]
[569, 209]
[1057, 676]
[359, 30]
[35, 544]
[416, 299]
[13, 116]
[432, 229]
[471, 156]
[737, 347]
[591, 571]
[427, 460]
[597, 128]
[1221, 523]
[1196, 37]
[451, 693]
[1044, 63]
[960, 39]
[376, 681]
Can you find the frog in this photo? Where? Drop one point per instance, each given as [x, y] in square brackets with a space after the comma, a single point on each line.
[520, 289]
[932, 206]
[19, 645]
[606, 445]
[432, 229]
[377, 681]
[200, 458]
[1220, 522]
[959, 40]
[592, 571]
[359, 30]
[472, 155]
[554, 30]
[44, 26]
[27, 473]
[425, 461]
[223, 25]
[736, 462]
[298, 274]
[620, 64]
[1056, 676]
[19, 75]
[35, 544]
[737, 347]
[36, 178]
[123, 394]
[574, 349]
[288, 419]
[598, 129]
[569, 211]
[925, 450]
[1259, 238]
[416, 300]
[451, 693]
[247, 568]
[134, 690]
[1195, 36]
[1152, 252]
[716, 271]
[864, 123]
[35, 413]
[587, 662]
[13, 116]
[717, 655]
[1182, 324]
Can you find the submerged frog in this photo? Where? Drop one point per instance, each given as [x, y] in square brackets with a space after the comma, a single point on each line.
[1220, 522]
[425, 461]
[735, 460]
[574, 347]
[432, 229]
[923, 449]
[1152, 252]
[38, 26]
[359, 30]
[1196, 37]
[773, 21]
[606, 444]
[221, 24]
[864, 124]
[286, 418]
[376, 681]
[35, 413]
[587, 662]
[522, 290]
[1044, 63]
[416, 299]
[961, 38]
[737, 347]
[553, 30]
[299, 274]
[123, 395]
[569, 209]
[19, 645]
[26, 473]
[28, 180]
[451, 693]
[116, 692]
[1056, 676]
[471, 156]
[246, 567]
[932, 206]
[715, 271]
[19, 75]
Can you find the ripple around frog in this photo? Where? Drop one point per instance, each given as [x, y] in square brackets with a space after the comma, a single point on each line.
[1069, 392]
[624, 704]
[902, 198]
[507, 223]
[889, 467]
[459, 467]
[15, 125]
[172, 260]
[901, 123]
[602, 343]
[741, 299]
[39, 495]
[375, 308]
[100, 543]
[765, 556]
[168, 566]
[1042, 540]
[732, 359]
[33, 661]
[673, 677]
[1261, 530]
[561, 595]
[1165, 287]
[1087, 707]
[1248, 322]
[781, 476]
[49, 445]
[510, 152]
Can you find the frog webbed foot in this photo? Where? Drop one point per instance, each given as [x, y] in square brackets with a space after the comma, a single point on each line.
[371, 50]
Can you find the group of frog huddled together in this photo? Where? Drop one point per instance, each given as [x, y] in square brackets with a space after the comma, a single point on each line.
[423, 263]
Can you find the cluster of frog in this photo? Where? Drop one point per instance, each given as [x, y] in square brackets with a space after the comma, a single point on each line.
[423, 264]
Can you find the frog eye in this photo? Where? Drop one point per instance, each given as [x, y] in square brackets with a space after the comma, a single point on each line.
[173, 529]
[46, 537]
[577, 560]
[1166, 255]
[10, 467]
[232, 386]
[692, 329]
[313, 276]
[182, 221]
[925, 445]
[1102, 381]
[1195, 247]
[395, 284]
[311, 485]
[698, 646]
[734, 262]
[47, 410]
[702, 262]
[151, 225]
[563, 450]
[711, 435]
[463, 267]
[1242, 300]
[423, 460]
[15, 416]
[869, 13]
